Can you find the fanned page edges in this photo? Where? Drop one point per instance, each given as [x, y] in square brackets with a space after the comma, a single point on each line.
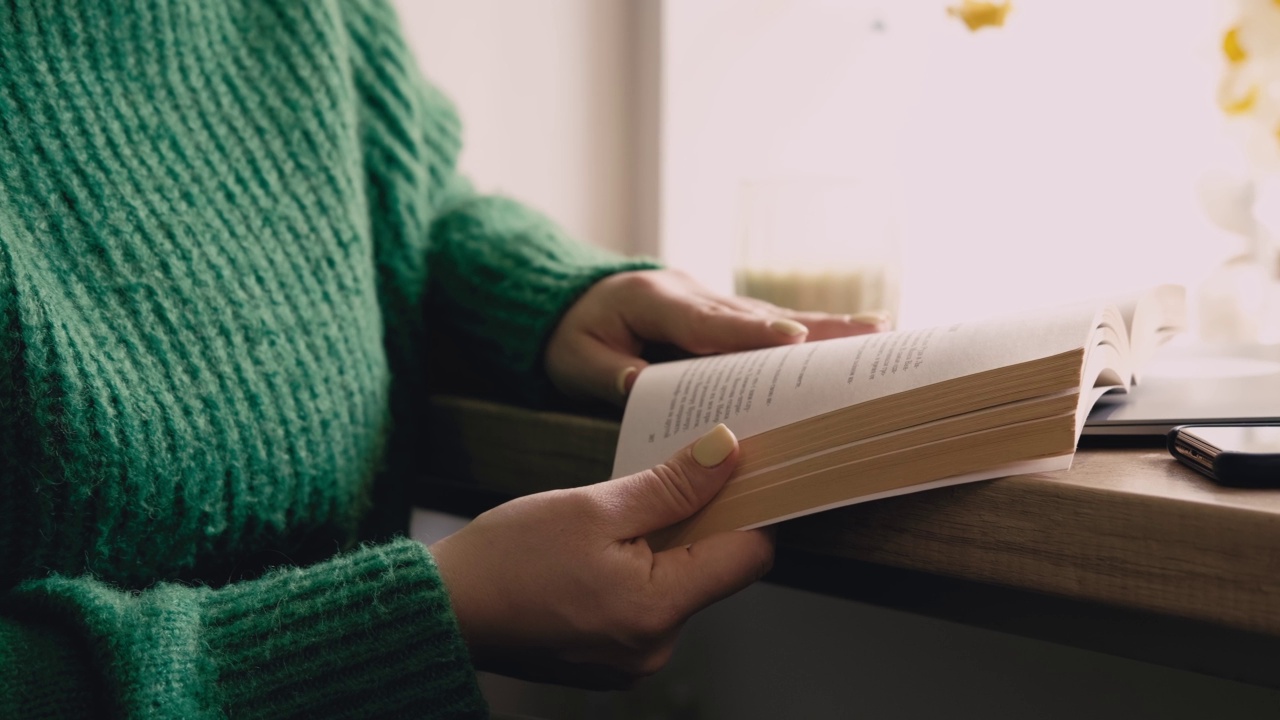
[960, 445]
[987, 389]
[876, 476]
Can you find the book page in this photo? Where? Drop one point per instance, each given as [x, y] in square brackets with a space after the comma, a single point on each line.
[672, 404]
[1153, 322]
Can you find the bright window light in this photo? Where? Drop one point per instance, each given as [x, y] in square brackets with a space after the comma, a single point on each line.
[1052, 159]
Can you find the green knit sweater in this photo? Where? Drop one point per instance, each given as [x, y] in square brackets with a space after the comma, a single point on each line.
[216, 223]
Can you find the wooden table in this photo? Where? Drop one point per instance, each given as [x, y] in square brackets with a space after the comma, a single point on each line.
[1128, 553]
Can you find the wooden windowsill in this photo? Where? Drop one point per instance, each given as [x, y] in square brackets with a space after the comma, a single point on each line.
[1127, 529]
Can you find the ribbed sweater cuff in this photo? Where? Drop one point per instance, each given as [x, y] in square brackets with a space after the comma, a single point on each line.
[370, 630]
[507, 274]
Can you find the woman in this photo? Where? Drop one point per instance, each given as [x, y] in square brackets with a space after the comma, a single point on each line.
[224, 227]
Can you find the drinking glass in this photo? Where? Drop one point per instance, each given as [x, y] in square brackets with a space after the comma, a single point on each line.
[819, 244]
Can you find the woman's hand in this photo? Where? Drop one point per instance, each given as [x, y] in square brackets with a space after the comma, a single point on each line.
[595, 350]
[562, 586]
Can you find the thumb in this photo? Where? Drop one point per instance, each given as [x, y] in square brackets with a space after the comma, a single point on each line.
[664, 495]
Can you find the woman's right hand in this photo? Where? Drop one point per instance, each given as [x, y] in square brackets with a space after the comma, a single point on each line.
[562, 586]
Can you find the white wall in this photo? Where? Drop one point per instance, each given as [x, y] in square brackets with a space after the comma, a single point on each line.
[543, 92]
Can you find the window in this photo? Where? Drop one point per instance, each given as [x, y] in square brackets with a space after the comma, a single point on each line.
[1054, 158]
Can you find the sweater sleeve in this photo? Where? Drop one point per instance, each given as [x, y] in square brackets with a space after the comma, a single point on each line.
[370, 629]
[503, 275]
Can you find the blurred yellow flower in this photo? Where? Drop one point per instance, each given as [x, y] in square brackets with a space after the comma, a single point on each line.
[1231, 45]
[1249, 89]
[1234, 102]
[977, 14]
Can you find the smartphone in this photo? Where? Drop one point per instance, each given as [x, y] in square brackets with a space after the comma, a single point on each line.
[1235, 455]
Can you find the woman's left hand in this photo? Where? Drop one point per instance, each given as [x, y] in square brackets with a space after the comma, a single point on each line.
[595, 350]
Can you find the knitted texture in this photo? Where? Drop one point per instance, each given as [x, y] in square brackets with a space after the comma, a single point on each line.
[216, 223]
[365, 634]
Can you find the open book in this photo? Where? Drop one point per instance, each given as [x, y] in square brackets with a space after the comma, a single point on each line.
[837, 422]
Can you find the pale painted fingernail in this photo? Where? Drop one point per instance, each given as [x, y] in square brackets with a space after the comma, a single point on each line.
[712, 448]
[871, 317]
[788, 327]
[623, 377]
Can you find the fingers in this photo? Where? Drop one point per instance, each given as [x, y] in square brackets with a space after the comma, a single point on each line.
[822, 326]
[668, 493]
[713, 568]
[726, 330]
[727, 324]
[709, 328]
[594, 352]
[599, 370]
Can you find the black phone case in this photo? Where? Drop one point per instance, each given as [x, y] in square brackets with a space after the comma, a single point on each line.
[1249, 470]
[1232, 468]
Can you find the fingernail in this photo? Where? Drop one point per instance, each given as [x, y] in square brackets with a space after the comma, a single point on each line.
[712, 448]
[871, 317]
[623, 377]
[788, 327]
